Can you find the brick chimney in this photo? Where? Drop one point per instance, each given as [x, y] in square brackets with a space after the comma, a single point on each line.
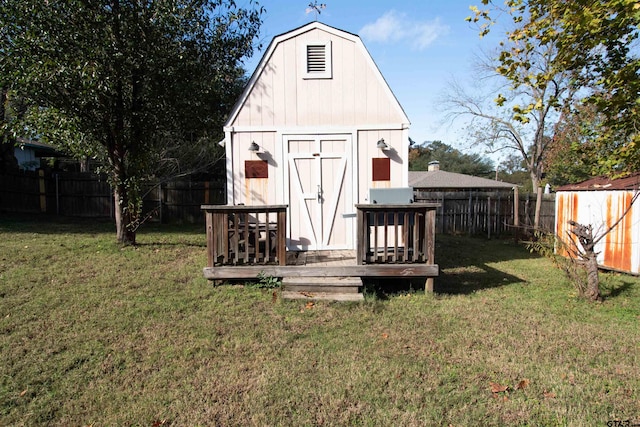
[433, 166]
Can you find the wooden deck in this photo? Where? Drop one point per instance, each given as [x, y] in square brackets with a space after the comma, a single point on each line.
[244, 242]
[321, 264]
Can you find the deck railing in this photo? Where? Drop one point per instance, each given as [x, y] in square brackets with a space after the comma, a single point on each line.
[396, 234]
[245, 235]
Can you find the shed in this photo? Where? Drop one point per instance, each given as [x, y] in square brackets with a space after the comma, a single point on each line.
[29, 153]
[601, 202]
[315, 129]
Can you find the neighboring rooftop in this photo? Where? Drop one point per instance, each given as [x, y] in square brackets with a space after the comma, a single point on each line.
[436, 179]
[601, 183]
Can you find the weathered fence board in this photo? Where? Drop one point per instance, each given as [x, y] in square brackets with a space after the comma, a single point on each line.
[90, 195]
[489, 213]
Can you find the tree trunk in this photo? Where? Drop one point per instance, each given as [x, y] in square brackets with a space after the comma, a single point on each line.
[125, 212]
[125, 231]
[593, 280]
[584, 233]
[8, 161]
[536, 216]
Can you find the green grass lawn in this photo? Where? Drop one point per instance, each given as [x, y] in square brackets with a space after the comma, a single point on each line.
[95, 334]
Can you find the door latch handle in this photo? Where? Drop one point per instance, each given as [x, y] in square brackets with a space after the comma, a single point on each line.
[319, 194]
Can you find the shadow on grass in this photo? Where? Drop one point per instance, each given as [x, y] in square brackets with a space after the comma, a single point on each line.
[383, 289]
[464, 267]
[609, 291]
[53, 224]
[59, 224]
[463, 262]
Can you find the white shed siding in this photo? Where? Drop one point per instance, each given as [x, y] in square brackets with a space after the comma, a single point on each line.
[355, 95]
[398, 141]
[342, 114]
[255, 191]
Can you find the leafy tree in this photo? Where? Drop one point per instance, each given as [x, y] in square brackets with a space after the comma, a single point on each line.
[127, 81]
[595, 45]
[450, 159]
[570, 156]
[512, 169]
[517, 117]
[8, 161]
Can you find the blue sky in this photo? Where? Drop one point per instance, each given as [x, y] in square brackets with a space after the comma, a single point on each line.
[418, 45]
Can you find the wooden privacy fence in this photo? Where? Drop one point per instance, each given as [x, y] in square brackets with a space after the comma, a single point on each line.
[490, 213]
[90, 195]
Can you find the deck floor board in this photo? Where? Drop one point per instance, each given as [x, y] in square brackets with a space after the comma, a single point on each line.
[335, 258]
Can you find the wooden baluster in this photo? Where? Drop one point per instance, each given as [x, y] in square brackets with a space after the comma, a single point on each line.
[222, 241]
[417, 255]
[376, 241]
[255, 237]
[245, 222]
[396, 219]
[235, 239]
[385, 217]
[405, 237]
[267, 238]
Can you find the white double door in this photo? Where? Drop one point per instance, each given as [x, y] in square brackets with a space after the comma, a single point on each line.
[321, 192]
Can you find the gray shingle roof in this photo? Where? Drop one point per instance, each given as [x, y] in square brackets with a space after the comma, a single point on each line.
[441, 180]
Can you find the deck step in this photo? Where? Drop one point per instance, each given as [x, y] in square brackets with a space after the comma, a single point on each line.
[331, 296]
[337, 288]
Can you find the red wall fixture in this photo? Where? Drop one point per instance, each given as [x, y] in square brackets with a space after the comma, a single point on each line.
[381, 169]
[256, 169]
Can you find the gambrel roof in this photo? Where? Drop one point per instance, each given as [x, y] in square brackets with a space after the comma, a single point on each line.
[279, 94]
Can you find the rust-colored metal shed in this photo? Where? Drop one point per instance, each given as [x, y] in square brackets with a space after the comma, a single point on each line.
[601, 202]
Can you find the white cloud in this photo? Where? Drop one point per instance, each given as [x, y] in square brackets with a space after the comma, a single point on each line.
[394, 27]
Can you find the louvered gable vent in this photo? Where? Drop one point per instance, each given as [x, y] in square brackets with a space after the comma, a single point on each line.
[316, 58]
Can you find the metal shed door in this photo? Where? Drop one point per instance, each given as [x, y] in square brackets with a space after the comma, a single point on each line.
[320, 192]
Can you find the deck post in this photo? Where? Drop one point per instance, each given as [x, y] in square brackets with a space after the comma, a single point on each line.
[281, 249]
[430, 237]
[363, 236]
[209, 224]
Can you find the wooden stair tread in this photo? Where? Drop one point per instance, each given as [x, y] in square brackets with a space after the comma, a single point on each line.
[332, 296]
[327, 288]
[325, 281]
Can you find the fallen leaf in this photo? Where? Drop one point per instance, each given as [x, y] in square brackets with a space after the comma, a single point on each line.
[522, 384]
[385, 336]
[549, 394]
[497, 388]
[274, 297]
[309, 305]
[23, 392]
